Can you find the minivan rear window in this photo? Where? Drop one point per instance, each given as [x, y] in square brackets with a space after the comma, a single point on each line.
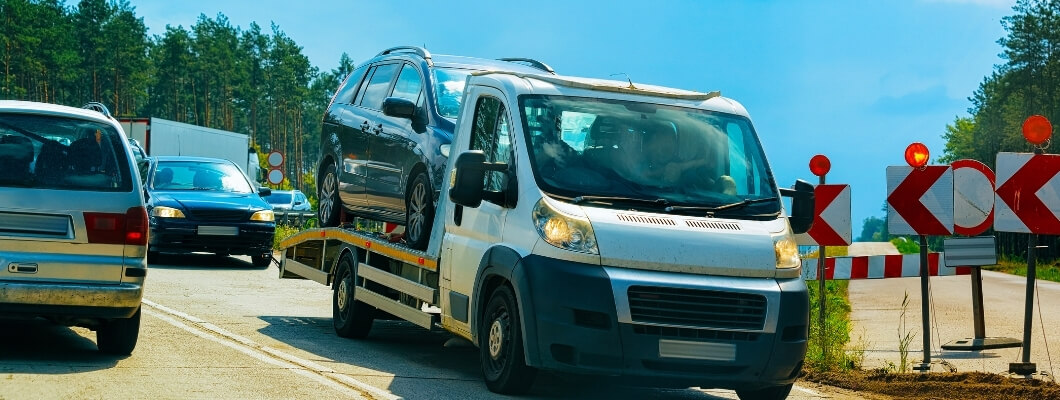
[51, 152]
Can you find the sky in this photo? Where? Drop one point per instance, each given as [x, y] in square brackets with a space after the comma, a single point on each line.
[857, 81]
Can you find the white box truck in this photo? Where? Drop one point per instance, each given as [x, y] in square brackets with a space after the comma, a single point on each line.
[558, 259]
[161, 137]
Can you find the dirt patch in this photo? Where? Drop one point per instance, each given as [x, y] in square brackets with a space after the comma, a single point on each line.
[969, 385]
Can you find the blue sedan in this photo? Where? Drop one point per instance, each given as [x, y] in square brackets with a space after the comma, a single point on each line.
[207, 205]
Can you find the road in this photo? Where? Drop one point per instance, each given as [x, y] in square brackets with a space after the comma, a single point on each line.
[220, 328]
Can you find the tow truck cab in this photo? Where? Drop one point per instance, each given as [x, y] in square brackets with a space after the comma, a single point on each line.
[631, 231]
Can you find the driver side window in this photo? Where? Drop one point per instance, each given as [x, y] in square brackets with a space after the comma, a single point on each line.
[491, 133]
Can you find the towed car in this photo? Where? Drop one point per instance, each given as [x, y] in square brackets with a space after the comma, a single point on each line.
[200, 204]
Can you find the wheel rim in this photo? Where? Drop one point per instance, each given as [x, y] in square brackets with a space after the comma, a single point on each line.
[417, 208]
[327, 200]
[343, 293]
[498, 342]
[496, 339]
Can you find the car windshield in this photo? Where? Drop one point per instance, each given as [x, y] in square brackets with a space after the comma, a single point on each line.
[647, 155]
[62, 153]
[279, 198]
[449, 90]
[199, 175]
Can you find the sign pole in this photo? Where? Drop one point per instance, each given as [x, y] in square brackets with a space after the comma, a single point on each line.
[977, 302]
[925, 308]
[821, 298]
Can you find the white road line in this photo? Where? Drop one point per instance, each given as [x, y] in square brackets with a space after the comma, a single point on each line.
[320, 373]
[808, 391]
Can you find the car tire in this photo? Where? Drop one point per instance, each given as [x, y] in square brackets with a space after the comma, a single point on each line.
[261, 260]
[119, 336]
[419, 212]
[501, 350]
[329, 204]
[352, 318]
[769, 393]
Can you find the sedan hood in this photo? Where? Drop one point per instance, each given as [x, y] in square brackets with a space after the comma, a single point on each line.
[198, 200]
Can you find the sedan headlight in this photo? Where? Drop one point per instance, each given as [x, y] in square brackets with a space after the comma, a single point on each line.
[565, 231]
[166, 212]
[787, 251]
[264, 216]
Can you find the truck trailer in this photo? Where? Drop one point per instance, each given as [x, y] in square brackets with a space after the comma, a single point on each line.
[161, 137]
[561, 243]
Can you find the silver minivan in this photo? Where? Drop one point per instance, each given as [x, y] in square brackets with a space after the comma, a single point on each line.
[73, 228]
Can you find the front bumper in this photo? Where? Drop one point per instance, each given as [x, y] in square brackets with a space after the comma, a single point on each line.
[69, 300]
[179, 235]
[579, 320]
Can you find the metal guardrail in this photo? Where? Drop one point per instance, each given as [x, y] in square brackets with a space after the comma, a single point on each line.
[303, 219]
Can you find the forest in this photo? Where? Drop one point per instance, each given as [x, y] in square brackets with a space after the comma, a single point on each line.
[254, 81]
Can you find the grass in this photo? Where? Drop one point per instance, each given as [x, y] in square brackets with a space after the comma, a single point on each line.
[1046, 271]
[283, 232]
[827, 347]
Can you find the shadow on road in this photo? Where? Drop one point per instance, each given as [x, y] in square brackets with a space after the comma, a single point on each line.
[41, 347]
[200, 261]
[421, 363]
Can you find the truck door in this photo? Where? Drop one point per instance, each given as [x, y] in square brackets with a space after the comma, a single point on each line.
[470, 232]
[393, 149]
[362, 126]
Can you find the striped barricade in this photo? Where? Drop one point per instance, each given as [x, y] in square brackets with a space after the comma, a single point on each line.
[879, 267]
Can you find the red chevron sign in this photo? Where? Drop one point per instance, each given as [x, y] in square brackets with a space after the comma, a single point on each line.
[920, 201]
[1027, 195]
[831, 221]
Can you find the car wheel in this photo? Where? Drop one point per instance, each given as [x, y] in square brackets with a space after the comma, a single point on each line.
[352, 318]
[119, 336]
[328, 195]
[501, 346]
[769, 393]
[261, 260]
[419, 212]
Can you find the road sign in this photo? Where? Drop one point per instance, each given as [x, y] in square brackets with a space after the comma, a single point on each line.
[973, 197]
[275, 176]
[275, 159]
[831, 221]
[1028, 193]
[920, 201]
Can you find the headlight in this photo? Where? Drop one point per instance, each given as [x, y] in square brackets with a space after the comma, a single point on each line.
[564, 231]
[166, 212]
[787, 251]
[264, 215]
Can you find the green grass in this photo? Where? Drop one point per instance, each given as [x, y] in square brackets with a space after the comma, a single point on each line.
[829, 353]
[1046, 271]
[283, 232]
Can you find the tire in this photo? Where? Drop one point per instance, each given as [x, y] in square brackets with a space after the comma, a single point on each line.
[419, 212]
[501, 350]
[329, 204]
[769, 393]
[262, 260]
[119, 336]
[352, 319]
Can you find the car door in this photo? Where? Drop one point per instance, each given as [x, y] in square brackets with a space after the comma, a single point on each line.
[470, 232]
[364, 125]
[394, 149]
[346, 140]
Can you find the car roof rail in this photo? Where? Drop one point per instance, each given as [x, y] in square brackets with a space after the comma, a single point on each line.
[98, 107]
[532, 62]
[422, 52]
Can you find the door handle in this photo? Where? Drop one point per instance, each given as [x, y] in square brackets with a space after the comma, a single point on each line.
[378, 129]
[365, 127]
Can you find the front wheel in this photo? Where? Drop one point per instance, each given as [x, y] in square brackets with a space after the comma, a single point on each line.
[352, 318]
[119, 336]
[328, 195]
[419, 212]
[501, 346]
[769, 393]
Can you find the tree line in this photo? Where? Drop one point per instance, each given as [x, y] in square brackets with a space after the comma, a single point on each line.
[212, 74]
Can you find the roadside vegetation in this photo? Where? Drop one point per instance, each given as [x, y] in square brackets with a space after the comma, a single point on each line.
[828, 352]
[1046, 271]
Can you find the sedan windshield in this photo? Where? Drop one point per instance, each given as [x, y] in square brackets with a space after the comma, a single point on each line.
[633, 154]
[199, 175]
[449, 90]
[280, 198]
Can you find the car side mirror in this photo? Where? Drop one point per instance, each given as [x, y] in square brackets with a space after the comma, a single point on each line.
[802, 206]
[264, 191]
[465, 185]
[399, 107]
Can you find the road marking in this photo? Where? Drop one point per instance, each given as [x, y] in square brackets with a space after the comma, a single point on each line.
[807, 391]
[301, 366]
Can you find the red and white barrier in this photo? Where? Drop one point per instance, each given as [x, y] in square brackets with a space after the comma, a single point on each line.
[879, 267]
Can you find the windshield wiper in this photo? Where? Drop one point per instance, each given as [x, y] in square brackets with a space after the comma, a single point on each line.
[658, 202]
[711, 210]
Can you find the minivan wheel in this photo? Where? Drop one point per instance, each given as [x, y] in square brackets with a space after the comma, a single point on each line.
[419, 212]
[328, 195]
[119, 336]
[501, 346]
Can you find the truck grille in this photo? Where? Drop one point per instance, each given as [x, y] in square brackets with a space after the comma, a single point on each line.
[696, 308]
[219, 215]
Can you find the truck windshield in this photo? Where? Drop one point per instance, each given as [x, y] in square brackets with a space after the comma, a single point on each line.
[635, 154]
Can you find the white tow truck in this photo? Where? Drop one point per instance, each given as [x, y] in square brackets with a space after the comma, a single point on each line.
[592, 227]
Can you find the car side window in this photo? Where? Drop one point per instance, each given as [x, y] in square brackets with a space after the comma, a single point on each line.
[409, 85]
[345, 93]
[491, 133]
[376, 89]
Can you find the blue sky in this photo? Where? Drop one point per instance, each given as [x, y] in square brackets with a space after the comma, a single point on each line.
[856, 81]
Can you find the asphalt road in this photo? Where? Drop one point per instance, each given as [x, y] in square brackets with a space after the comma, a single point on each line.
[220, 328]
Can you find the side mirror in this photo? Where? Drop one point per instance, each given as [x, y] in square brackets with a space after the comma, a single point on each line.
[264, 191]
[465, 185]
[802, 206]
[399, 107]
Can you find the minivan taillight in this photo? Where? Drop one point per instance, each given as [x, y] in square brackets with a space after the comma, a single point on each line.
[113, 228]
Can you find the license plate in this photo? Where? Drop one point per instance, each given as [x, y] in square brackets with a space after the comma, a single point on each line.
[697, 350]
[219, 230]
